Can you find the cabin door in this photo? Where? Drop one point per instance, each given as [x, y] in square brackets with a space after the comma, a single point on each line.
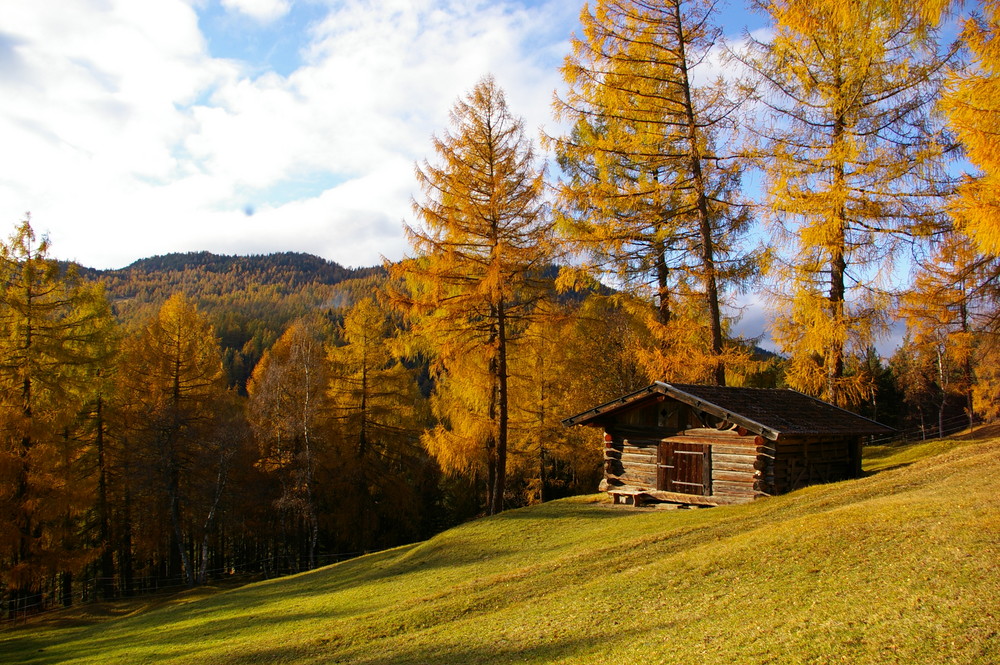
[684, 468]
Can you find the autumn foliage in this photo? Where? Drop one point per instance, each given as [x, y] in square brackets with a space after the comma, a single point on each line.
[195, 416]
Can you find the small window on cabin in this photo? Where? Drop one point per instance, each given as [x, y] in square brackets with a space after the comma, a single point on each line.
[672, 417]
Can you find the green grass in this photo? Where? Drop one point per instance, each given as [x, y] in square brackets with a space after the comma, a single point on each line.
[902, 566]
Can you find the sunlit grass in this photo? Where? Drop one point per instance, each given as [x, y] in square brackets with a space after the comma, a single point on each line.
[902, 566]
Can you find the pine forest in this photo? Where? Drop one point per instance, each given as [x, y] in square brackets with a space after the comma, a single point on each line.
[196, 417]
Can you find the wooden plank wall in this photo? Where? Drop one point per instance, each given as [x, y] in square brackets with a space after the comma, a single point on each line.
[742, 465]
[630, 462]
[802, 461]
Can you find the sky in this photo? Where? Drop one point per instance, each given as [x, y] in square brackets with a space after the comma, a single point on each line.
[135, 128]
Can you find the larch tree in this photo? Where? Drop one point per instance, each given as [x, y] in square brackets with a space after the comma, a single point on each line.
[550, 383]
[483, 235]
[377, 412]
[173, 373]
[51, 328]
[645, 195]
[971, 102]
[287, 408]
[942, 311]
[853, 165]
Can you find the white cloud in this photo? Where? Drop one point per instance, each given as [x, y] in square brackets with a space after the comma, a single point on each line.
[264, 11]
[125, 138]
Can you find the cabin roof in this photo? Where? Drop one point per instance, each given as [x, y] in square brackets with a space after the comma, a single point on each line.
[770, 412]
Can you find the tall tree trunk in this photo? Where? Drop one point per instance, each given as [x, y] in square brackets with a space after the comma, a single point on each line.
[500, 481]
[838, 259]
[106, 564]
[173, 494]
[492, 463]
[126, 559]
[709, 273]
[220, 484]
[662, 283]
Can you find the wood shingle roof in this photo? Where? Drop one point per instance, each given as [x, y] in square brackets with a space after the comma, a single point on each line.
[770, 412]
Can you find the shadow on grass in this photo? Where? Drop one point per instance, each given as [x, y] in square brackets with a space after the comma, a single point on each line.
[487, 649]
[114, 643]
[585, 511]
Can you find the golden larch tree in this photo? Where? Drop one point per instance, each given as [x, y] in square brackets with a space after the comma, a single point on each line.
[943, 310]
[51, 328]
[377, 412]
[645, 194]
[854, 170]
[172, 375]
[287, 408]
[971, 101]
[483, 236]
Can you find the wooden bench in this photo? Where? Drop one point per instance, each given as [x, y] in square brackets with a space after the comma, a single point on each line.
[629, 497]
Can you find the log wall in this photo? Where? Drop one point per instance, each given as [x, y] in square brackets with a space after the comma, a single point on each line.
[803, 461]
[630, 462]
[743, 466]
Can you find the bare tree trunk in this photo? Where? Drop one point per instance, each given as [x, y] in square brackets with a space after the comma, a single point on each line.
[500, 481]
[220, 484]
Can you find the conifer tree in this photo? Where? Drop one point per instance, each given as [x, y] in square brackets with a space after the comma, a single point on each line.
[378, 413]
[853, 169]
[971, 102]
[483, 234]
[646, 196]
[51, 326]
[550, 382]
[173, 374]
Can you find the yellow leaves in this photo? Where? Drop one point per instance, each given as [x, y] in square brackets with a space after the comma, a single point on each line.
[854, 162]
[457, 451]
[986, 389]
[972, 105]
[461, 402]
[181, 350]
[484, 224]
[977, 211]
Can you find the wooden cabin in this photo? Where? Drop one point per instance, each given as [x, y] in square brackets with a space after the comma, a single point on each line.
[715, 445]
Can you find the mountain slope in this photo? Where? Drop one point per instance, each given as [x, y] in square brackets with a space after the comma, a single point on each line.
[251, 299]
[899, 567]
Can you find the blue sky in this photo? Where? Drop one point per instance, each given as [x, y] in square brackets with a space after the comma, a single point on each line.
[250, 126]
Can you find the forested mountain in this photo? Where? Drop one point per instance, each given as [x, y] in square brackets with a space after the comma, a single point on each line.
[286, 279]
[250, 299]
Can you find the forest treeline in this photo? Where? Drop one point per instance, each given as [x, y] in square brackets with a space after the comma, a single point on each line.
[249, 299]
[194, 416]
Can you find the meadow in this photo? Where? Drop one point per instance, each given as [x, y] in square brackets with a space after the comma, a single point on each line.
[901, 566]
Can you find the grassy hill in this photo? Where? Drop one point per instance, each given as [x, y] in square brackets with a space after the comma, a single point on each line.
[899, 567]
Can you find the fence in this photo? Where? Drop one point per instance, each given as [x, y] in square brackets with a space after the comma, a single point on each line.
[922, 433]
